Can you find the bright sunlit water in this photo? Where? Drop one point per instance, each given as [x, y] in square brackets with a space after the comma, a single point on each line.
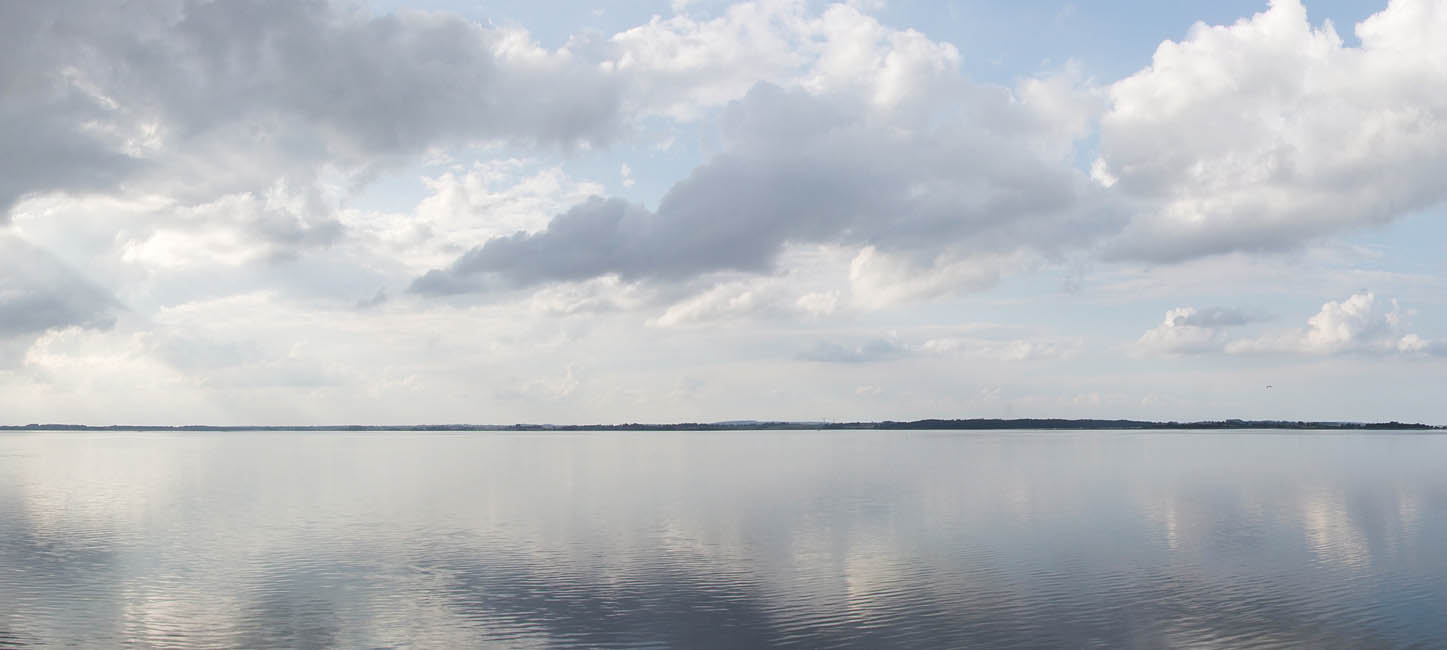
[724, 540]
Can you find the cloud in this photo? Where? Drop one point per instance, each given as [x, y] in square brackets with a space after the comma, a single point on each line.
[722, 302]
[1007, 350]
[543, 388]
[749, 299]
[377, 300]
[200, 98]
[241, 130]
[804, 169]
[1188, 330]
[871, 351]
[1358, 325]
[878, 279]
[1264, 134]
[196, 99]
[1213, 317]
[892, 348]
[198, 189]
[868, 391]
[864, 136]
[485, 200]
[818, 303]
[233, 230]
[40, 293]
[593, 297]
[680, 66]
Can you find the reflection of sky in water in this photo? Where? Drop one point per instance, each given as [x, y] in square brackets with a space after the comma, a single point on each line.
[867, 539]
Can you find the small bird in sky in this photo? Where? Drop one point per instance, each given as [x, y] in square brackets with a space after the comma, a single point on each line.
[1268, 385]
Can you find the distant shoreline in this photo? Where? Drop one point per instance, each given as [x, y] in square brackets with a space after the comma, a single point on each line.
[975, 424]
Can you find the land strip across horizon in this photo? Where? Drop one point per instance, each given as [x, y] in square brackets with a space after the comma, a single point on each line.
[975, 424]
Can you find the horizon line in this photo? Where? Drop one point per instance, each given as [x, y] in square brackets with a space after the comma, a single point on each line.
[747, 424]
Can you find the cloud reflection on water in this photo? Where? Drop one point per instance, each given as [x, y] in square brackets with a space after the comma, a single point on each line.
[699, 540]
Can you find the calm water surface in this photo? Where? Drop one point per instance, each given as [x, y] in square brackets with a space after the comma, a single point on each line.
[724, 540]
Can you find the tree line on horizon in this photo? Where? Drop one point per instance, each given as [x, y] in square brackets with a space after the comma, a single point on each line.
[975, 424]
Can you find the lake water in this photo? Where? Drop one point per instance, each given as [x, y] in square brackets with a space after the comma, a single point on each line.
[724, 540]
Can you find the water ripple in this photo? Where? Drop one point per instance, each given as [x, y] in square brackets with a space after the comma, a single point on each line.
[746, 540]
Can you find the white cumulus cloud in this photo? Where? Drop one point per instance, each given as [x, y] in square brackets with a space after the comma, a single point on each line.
[1188, 330]
[1269, 132]
[1360, 324]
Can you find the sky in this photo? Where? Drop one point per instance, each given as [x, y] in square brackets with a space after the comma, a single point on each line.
[309, 212]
